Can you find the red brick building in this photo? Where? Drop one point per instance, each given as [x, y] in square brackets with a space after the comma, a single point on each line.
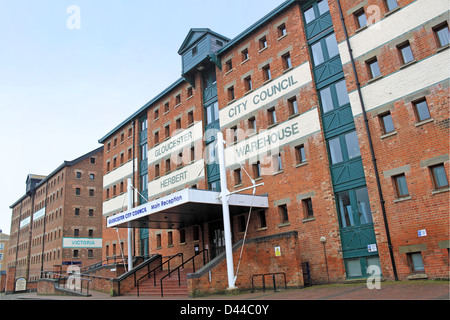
[339, 107]
[57, 222]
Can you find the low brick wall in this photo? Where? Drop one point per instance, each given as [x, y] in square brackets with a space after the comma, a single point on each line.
[258, 257]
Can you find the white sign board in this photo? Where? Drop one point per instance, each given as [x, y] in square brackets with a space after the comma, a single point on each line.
[82, 243]
[274, 90]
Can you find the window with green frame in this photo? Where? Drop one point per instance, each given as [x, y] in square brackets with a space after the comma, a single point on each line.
[344, 147]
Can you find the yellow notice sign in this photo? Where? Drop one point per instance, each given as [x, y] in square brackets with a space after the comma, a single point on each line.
[277, 252]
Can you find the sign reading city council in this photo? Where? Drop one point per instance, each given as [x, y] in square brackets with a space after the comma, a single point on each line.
[268, 93]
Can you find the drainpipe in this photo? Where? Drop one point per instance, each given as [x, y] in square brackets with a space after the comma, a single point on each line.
[374, 160]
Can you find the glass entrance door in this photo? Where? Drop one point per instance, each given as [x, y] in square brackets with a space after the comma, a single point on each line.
[217, 239]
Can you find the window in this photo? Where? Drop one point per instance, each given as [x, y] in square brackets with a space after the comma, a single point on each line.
[400, 186]
[334, 96]
[323, 6]
[335, 151]
[252, 125]
[440, 180]
[248, 83]
[300, 155]
[90, 253]
[283, 213]
[122, 137]
[194, 50]
[262, 219]
[373, 68]
[244, 55]
[415, 262]
[262, 43]
[406, 53]
[156, 135]
[75, 253]
[443, 35]
[272, 116]
[241, 223]
[166, 107]
[421, 110]
[90, 233]
[76, 232]
[107, 193]
[257, 170]
[307, 208]
[196, 233]
[237, 176]
[182, 236]
[91, 212]
[177, 99]
[282, 30]
[158, 241]
[293, 106]
[170, 238]
[278, 163]
[92, 176]
[228, 65]
[167, 165]
[156, 170]
[190, 92]
[77, 211]
[78, 191]
[310, 15]
[231, 94]
[178, 124]
[167, 131]
[391, 4]
[287, 63]
[317, 53]
[92, 160]
[143, 124]
[192, 154]
[387, 125]
[78, 175]
[156, 114]
[234, 136]
[266, 73]
[190, 117]
[361, 20]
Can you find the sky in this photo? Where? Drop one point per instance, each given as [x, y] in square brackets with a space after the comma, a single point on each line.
[72, 70]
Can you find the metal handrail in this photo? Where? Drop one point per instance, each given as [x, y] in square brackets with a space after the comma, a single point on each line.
[158, 267]
[263, 275]
[52, 275]
[178, 268]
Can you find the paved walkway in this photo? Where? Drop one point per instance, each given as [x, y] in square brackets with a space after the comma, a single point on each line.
[409, 290]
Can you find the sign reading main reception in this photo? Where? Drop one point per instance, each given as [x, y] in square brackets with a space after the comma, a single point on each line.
[82, 243]
[272, 91]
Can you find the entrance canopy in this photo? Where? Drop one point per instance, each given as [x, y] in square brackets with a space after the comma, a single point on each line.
[183, 209]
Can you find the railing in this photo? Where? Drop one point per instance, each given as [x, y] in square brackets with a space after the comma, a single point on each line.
[62, 281]
[264, 281]
[181, 265]
[132, 272]
[148, 274]
[114, 259]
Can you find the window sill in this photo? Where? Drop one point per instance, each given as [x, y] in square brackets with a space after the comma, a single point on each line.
[278, 172]
[301, 164]
[263, 49]
[437, 191]
[178, 105]
[402, 199]
[189, 98]
[248, 92]
[284, 224]
[387, 135]
[245, 61]
[267, 81]
[282, 37]
[418, 124]
[261, 229]
[238, 185]
[417, 276]
[308, 219]
[374, 79]
[406, 65]
[361, 29]
[288, 69]
[229, 71]
[443, 48]
[231, 101]
[392, 11]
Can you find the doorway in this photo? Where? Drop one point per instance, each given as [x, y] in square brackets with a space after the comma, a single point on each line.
[216, 238]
